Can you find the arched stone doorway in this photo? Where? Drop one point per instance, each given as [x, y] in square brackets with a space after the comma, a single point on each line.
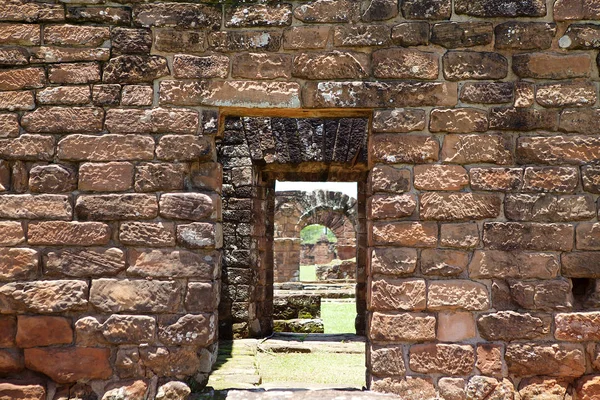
[295, 210]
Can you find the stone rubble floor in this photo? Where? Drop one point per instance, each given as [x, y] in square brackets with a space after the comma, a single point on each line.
[237, 377]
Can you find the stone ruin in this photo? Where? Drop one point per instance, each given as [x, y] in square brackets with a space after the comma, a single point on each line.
[295, 210]
[140, 143]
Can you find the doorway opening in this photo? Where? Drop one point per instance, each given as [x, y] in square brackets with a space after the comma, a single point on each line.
[255, 153]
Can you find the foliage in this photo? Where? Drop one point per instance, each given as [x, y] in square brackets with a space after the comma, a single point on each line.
[313, 233]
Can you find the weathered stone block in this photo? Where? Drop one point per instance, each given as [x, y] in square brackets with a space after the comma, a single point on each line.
[458, 206]
[18, 264]
[131, 41]
[137, 95]
[190, 206]
[20, 34]
[75, 35]
[465, 235]
[447, 359]
[52, 178]
[455, 327]
[549, 208]
[134, 69]
[528, 236]
[327, 11]
[402, 63]
[405, 148]
[552, 388]
[155, 177]
[251, 15]
[44, 296]
[443, 262]
[440, 177]
[427, 9]
[457, 295]
[524, 35]
[194, 67]
[331, 65]
[380, 94]
[410, 387]
[395, 294]
[108, 177]
[505, 8]
[151, 234]
[553, 150]
[566, 94]
[550, 360]
[65, 365]
[64, 95]
[261, 66]
[175, 332]
[11, 233]
[577, 327]
[184, 148]
[93, 262]
[487, 92]
[542, 295]
[411, 34]
[305, 37]
[509, 326]
[474, 149]
[116, 206]
[170, 361]
[464, 65]
[383, 206]
[18, 100]
[106, 148]
[458, 120]
[202, 297]
[393, 261]
[25, 78]
[179, 15]
[400, 120]
[38, 331]
[199, 235]
[387, 360]
[143, 296]
[64, 120]
[173, 264]
[496, 179]
[74, 73]
[587, 236]
[487, 264]
[402, 327]
[551, 65]
[409, 234]
[581, 264]
[22, 392]
[43, 206]
[62, 233]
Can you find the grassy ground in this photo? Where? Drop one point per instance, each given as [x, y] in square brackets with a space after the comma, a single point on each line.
[307, 273]
[338, 317]
[344, 370]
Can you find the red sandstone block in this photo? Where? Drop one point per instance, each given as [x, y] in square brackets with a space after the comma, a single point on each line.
[65, 365]
[60, 233]
[38, 331]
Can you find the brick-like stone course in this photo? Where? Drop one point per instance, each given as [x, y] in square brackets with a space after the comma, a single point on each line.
[138, 141]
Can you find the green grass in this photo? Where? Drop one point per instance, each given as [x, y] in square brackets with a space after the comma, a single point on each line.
[312, 233]
[338, 317]
[308, 273]
[346, 370]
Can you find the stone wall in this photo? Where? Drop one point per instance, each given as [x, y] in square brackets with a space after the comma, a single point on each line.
[122, 226]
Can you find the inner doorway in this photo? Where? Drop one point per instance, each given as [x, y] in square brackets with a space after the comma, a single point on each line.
[255, 152]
